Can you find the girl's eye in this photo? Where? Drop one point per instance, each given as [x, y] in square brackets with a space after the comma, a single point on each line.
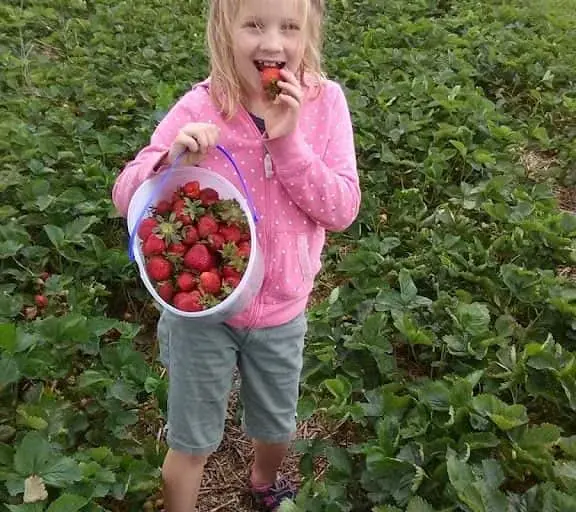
[291, 26]
[254, 24]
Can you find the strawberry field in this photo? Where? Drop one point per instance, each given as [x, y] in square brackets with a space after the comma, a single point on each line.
[441, 355]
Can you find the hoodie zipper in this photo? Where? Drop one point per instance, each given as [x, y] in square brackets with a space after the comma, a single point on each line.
[268, 172]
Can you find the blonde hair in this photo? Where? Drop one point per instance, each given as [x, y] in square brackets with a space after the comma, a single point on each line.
[225, 86]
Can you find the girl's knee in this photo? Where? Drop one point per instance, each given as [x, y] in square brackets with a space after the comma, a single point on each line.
[177, 463]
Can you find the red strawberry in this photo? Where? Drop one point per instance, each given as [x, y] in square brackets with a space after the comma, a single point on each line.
[146, 227]
[217, 241]
[206, 226]
[210, 282]
[165, 290]
[199, 258]
[209, 196]
[153, 245]
[163, 207]
[228, 271]
[186, 282]
[159, 268]
[244, 249]
[41, 301]
[190, 235]
[177, 249]
[269, 78]
[188, 301]
[192, 189]
[232, 281]
[232, 233]
[245, 237]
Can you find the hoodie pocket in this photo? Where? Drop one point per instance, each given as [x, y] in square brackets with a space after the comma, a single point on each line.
[291, 270]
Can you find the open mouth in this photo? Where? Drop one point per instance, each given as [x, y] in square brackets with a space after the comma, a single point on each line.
[262, 64]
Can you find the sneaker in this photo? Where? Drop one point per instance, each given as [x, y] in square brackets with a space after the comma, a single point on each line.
[269, 499]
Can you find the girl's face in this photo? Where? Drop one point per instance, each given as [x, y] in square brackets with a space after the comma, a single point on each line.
[267, 33]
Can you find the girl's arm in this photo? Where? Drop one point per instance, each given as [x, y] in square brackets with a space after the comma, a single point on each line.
[326, 188]
[151, 159]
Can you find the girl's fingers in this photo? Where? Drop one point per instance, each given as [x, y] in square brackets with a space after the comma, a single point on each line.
[288, 100]
[191, 143]
[293, 90]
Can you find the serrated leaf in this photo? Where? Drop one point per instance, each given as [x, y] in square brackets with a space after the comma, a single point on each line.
[417, 504]
[408, 290]
[32, 455]
[62, 473]
[473, 318]
[505, 416]
[8, 338]
[56, 235]
[9, 248]
[9, 372]
[67, 503]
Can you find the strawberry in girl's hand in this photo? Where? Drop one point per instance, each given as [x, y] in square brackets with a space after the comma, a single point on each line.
[269, 78]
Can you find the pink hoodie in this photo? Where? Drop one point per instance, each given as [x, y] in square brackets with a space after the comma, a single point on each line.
[302, 184]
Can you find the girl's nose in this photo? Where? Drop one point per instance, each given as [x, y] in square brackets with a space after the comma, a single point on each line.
[271, 40]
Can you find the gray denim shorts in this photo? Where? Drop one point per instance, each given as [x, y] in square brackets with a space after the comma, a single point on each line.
[201, 359]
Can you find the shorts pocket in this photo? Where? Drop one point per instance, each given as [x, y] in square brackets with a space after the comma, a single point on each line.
[291, 270]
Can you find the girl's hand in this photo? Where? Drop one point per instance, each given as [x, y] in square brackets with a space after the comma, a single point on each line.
[197, 138]
[281, 115]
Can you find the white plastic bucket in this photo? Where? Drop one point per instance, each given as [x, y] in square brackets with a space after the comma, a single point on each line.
[253, 276]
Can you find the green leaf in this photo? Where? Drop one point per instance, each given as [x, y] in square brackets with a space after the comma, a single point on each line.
[340, 387]
[473, 318]
[408, 289]
[32, 455]
[339, 459]
[505, 416]
[8, 338]
[68, 503]
[9, 372]
[9, 248]
[62, 473]
[417, 504]
[56, 235]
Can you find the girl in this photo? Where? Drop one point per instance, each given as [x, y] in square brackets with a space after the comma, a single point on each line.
[297, 155]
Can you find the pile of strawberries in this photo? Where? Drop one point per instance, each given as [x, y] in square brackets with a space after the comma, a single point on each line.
[196, 247]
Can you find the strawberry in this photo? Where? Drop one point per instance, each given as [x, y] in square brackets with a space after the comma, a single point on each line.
[232, 281]
[159, 268]
[41, 301]
[177, 249]
[191, 189]
[244, 249]
[228, 271]
[210, 282]
[187, 210]
[209, 196]
[269, 78]
[199, 258]
[231, 233]
[188, 301]
[153, 245]
[216, 241]
[186, 282]
[190, 235]
[165, 290]
[146, 227]
[206, 226]
[163, 207]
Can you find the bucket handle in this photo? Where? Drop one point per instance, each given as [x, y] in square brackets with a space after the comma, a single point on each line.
[161, 186]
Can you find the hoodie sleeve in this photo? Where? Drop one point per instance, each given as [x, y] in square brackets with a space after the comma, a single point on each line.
[148, 161]
[326, 188]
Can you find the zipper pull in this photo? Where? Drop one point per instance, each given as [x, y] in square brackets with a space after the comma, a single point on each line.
[269, 171]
